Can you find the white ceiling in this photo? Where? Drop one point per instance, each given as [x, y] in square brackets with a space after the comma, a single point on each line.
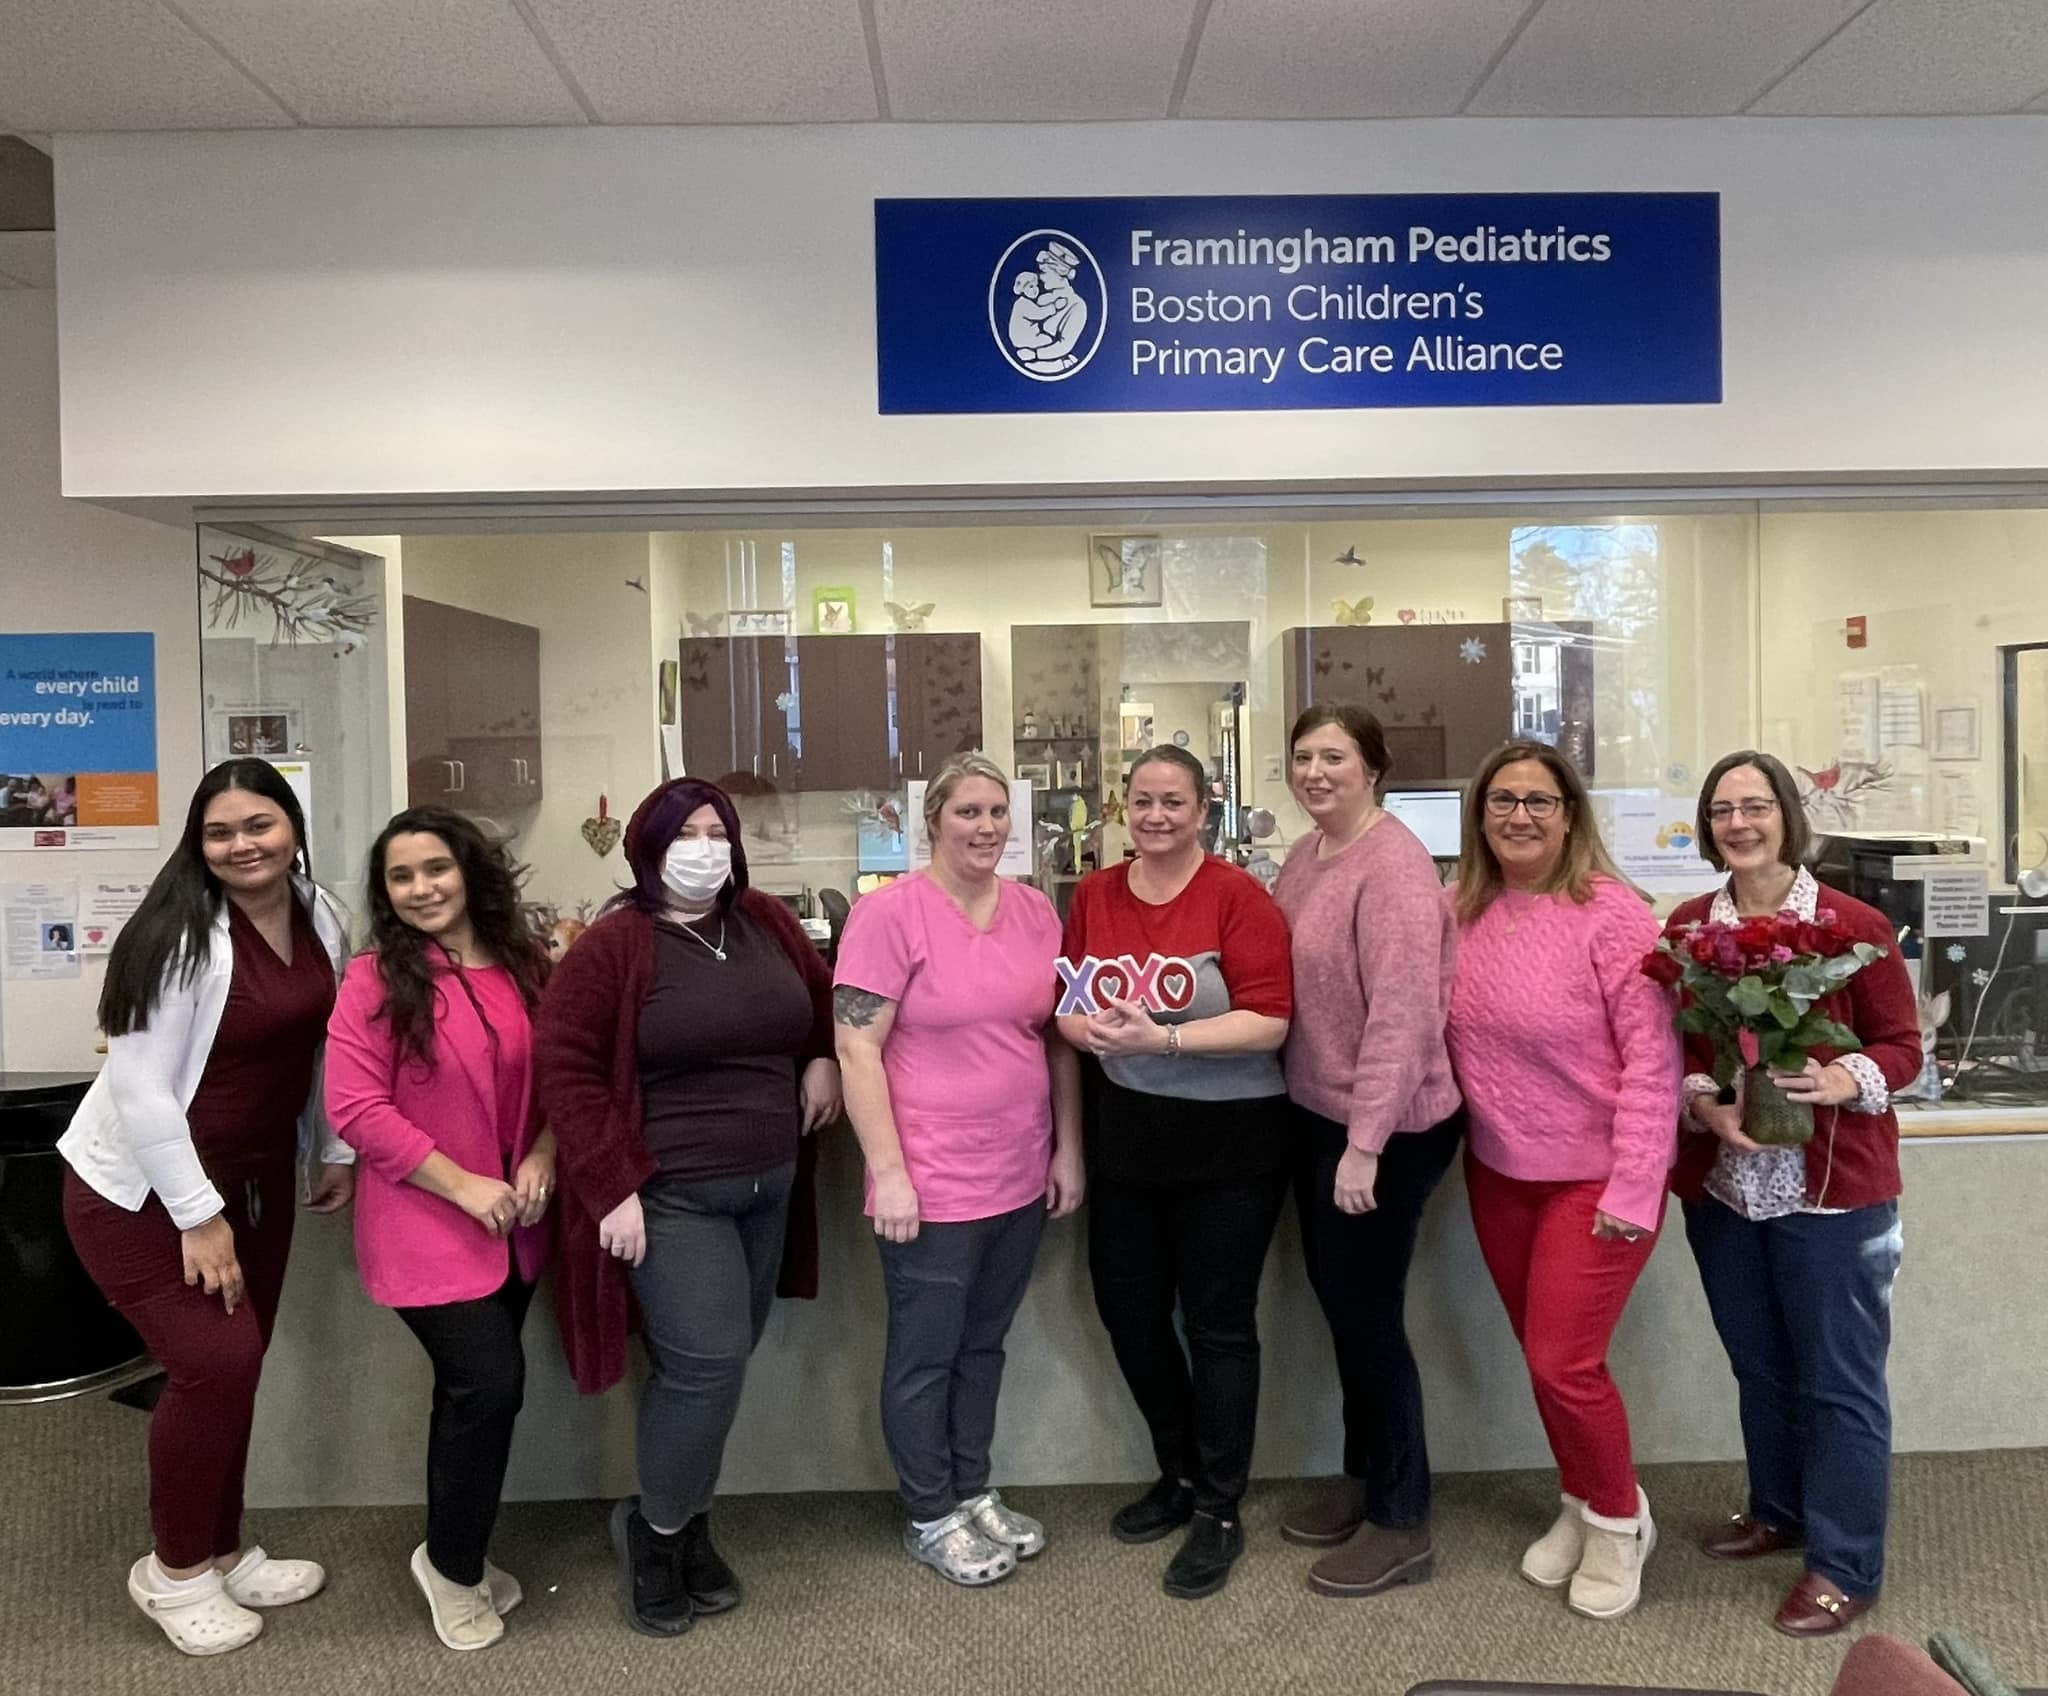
[236, 64]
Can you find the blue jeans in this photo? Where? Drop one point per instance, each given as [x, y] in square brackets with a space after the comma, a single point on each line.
[1803, 1306]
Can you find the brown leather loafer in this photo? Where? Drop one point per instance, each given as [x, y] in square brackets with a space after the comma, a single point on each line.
[1328, 1515]
[1816, 1608]
[1745, 1539]
[1373, 1560]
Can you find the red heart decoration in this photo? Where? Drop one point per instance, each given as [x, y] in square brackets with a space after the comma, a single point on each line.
[1176, 988]
[1406, 615]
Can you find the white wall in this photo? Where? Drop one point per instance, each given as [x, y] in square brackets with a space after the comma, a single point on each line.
[68, 566]
[649, 309]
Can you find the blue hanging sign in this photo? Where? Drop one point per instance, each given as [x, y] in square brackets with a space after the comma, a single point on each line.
[1288, 302]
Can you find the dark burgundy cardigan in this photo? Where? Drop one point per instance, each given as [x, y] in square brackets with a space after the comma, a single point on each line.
[587, 1070]
[1853, 1160]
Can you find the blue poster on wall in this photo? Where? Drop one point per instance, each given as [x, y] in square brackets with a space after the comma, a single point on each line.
[78, 740]
[1288, 302]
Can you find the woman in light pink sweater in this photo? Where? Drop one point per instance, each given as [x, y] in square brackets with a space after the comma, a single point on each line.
[1570, 1070]
[1377, 1124]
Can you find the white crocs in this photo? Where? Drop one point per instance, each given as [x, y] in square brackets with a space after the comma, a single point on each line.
[1005, 1525]
[959, 1549]
[257, 1581]
[204, 1620]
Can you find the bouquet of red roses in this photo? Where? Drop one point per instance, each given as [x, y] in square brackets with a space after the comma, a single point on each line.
[1753, 989]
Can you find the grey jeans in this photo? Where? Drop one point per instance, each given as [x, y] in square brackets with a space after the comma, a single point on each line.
[714, 1247]
[953, 1290]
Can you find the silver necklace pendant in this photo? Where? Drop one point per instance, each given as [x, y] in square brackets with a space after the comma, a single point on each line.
[717, 948]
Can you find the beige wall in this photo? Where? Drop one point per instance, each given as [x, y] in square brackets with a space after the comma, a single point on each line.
[68, 566]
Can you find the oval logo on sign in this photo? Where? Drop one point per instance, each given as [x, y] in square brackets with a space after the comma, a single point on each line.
[1047, 305]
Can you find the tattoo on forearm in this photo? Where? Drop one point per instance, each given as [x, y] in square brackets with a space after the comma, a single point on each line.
[856, 1008]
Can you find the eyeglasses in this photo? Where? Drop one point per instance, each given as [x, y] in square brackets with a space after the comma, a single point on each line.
[1501, 804]
[1756, 809]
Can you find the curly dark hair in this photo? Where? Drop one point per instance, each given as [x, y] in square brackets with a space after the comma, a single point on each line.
[490, 884]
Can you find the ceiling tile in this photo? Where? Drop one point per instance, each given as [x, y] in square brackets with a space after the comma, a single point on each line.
[1344, 58]
[392, 62]
[999, 60]
[711, 62]
[118, 65]
[1652, 58]
[1923, 56]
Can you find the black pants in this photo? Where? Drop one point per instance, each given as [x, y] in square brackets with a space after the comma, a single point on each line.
[953, 1290]
[479, 1383]
[1358, 1266]
[1204, 1246]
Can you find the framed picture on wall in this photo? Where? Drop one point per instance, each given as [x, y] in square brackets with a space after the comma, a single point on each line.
[1039, 775]
[1956, 736]
[832, 612]
[761, 622]
[666, 691]
[1126, 571]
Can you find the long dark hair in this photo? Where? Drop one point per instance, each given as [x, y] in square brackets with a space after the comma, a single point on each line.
[656, 823]
[171, 930]
[405, 956]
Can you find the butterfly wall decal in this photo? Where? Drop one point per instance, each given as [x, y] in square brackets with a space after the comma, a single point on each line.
[706, 624]
[908, 615]
[1348, 557]
[1353, 612]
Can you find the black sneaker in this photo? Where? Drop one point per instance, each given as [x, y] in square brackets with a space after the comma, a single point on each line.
[1202, 1567]
[650, 1574]
[1166, 1506]
[709, 1581]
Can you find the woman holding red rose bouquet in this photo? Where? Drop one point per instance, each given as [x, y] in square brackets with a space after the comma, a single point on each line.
[1798, 1246]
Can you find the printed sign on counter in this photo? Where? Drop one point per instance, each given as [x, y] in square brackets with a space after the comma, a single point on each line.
[1296, 302]
[1957, 901]
[78, 741]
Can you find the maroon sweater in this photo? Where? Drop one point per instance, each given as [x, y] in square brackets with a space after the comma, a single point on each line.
[1853, 1160]
[587, 1071]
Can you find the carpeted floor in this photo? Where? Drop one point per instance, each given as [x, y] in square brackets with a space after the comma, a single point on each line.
[832, 1605]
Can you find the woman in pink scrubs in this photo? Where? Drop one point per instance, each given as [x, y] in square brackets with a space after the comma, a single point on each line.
[968, 1108]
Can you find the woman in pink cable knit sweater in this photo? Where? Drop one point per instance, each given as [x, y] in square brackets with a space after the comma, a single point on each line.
[1570, 1071]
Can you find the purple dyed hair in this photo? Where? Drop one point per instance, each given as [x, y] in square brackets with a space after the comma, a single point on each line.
[656, 823]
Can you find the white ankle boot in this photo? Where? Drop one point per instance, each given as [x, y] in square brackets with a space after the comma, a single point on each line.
[1609, 1581]
[1554, 1557]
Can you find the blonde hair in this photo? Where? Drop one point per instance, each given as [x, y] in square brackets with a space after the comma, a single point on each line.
[1585, 856]
[956, 771]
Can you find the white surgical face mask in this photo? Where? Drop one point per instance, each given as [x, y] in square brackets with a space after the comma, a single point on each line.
[696, 868]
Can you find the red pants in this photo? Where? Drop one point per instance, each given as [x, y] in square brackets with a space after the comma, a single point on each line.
[1564, 1290]
[199, 1434]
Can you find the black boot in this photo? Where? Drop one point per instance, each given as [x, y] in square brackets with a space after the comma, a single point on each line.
[1168, 1504]
[1202, 1567]
[710, 1582]
[650, 1574]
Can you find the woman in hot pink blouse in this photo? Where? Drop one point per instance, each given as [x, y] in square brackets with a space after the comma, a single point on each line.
[1570, 1069]
[430, 1080]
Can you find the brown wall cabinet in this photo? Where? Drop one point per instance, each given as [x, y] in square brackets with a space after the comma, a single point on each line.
[472, 709]
[815, 713]
[1444, 693]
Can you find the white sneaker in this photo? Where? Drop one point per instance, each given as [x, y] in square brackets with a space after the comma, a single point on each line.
[204, 1620]
[463, 1616]
[1609, 1582]
[504, 1588]
[257, 1581]
[1554, 1557]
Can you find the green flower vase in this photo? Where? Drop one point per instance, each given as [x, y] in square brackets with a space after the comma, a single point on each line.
[1770, 1116]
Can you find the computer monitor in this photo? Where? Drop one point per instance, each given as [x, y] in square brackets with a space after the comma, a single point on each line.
[1435, 815]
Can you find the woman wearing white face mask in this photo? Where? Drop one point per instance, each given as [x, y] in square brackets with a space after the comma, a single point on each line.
[683, 1053]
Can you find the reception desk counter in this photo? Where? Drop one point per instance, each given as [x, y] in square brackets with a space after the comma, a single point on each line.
[343, 1413]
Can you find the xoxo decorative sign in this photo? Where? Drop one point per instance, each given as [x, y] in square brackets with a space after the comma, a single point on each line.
[1163, 983]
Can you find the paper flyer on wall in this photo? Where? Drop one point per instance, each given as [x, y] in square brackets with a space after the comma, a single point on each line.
[1652, 838]
[38, 930]
[105, 905]
[78, 740]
